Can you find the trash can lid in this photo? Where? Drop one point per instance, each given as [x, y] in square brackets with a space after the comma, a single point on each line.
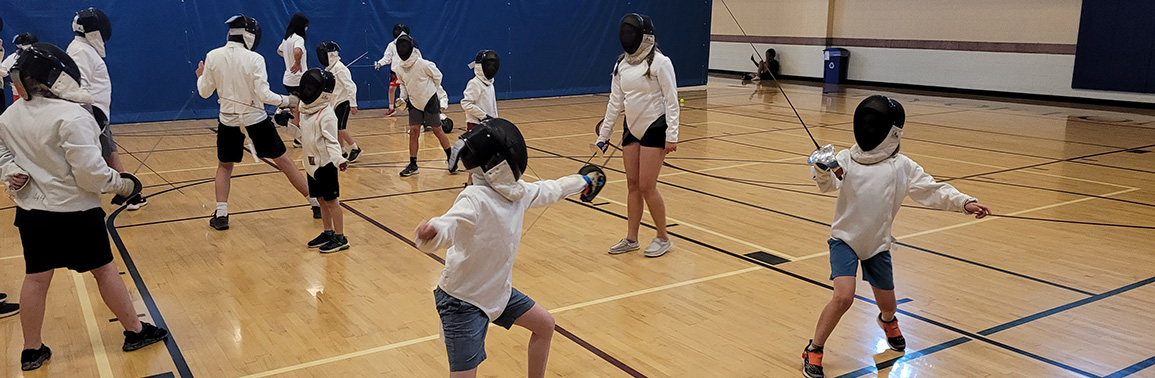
[837, 51]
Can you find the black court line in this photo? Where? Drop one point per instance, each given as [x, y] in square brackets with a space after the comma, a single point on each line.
[114, 320]
[1049, 162]
[1133, 368]
[162, 375]
[149, 303]
[995, 268]
[569, 335]
[1115, 167]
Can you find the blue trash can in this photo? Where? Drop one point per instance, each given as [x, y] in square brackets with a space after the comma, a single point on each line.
[837, 60]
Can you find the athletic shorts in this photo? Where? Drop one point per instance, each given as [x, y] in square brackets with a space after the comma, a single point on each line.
[85, 248]
[342, 111]
[293, 90]
[231, 141]
[471, 125]
[393, 80]
[463, 326]
[429, 116]
[655, 135]
[107, 145]
[876, 270]
[323, 183]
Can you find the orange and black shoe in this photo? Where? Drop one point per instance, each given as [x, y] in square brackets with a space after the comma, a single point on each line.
[812, 361]
[893, 334]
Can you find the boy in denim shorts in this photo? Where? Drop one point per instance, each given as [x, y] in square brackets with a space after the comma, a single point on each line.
[872, 179]
[483, 231]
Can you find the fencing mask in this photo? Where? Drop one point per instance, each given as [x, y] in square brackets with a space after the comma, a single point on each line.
[400, 28]
[315, 88]
[488, 61]
[44, 64]
[496, 151]
[328, 53]
[405, 46]
[632, 30]
[244, 29]
[878, 122]
[24, 40]
[93, 25]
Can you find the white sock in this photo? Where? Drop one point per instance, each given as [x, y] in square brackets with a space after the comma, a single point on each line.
[354, 146]
[313, 202]
[222, 209]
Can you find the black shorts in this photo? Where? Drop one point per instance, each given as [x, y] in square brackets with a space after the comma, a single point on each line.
[231, 141]
[429, 116]
[323, 183]
[293, 90]
[84, 248]
[342, 111]
[655, 135]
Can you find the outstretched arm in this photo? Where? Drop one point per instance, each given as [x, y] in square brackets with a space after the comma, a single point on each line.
[438, 233]
[547, 192]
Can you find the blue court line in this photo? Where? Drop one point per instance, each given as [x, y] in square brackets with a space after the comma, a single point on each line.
[173, 350]
[903, 300]
[1133, 368]
[997, 269]
[1014, 323]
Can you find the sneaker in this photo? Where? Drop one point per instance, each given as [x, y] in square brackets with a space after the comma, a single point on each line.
[296, 143]
[812, 362]
[354, 154]
[316, 212]
[219, 223]
[336, 243]
[32, 359]
[893, 334]
[148, 335]
[659, 247]
[8, 309]
[410, 170]
[624, 246]
[452, 167]
[3, 297]
[320, 239]
[390, 112]
[136, 203]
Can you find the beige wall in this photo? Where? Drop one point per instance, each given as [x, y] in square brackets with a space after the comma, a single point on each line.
[791, 18]
[1029, 21]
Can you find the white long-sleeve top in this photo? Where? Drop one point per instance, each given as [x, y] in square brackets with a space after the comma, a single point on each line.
[238, 77]
[479, 100]
[346, 88]
[870, 195]
[643, 99]
[8, 62]
[55, 142]
[390, 58]
[287, 49]
[319, 139]
[420, 78]
[93, 74]
[483, 231]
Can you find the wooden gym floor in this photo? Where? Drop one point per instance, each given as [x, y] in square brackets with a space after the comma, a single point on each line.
[737, 297]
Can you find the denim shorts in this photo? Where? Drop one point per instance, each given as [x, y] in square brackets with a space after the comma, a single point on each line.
[876, 270]
[463, 326]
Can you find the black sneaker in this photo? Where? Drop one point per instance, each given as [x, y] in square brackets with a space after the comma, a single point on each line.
[410, 170]
[296, 143]
[148, 335]
[3, 297]
[336, 243]
[8, 309]
[136, 203]
[812, 362]
[321, 239]
[219, 223]
[316, 212]
[353, 154]
[32, 359]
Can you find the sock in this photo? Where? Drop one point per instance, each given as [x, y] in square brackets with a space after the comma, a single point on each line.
[412, 161]
[448, 152]
[892, 318]
[313, 202]
[354, 146]
[222, 209]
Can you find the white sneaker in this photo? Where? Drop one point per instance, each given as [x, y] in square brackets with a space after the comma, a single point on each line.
[659, 247]
[624, 246]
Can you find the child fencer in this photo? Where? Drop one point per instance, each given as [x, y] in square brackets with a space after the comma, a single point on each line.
[422, 82]
[344, 99]
[322, 156]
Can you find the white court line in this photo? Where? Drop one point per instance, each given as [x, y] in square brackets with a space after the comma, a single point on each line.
[699, 170]
[553, 311]
[987, 219]
[102, 365]
[11, 257]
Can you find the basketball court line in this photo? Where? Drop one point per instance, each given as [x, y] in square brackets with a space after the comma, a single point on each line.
[103, 367]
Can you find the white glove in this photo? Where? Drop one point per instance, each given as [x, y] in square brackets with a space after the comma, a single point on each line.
[293, 101]
[377, 66]
[824, 158]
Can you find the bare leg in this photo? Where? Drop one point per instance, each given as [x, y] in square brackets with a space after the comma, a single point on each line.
[539, 321]
[32, 298]
[224, 181]
[463, 374]
[392, 96]
[634, 202]
[649, 166]
[326, 214]
[345, 138]
[114, 161]
[414, 139]
[338, 218]
[116, 297]
[887, 304]
[843, 298]
[441, 138]
[286, 166]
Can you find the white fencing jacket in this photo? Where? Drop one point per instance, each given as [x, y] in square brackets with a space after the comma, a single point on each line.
[238, 77]
[420, 79]
[483, 231]
[643, 99]
[870, 195]
[93, 74]
[319, 137]
[346, 88]
[479, 98]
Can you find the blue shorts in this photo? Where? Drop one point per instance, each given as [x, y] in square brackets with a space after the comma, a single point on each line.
[463, 326]
[876, 270]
